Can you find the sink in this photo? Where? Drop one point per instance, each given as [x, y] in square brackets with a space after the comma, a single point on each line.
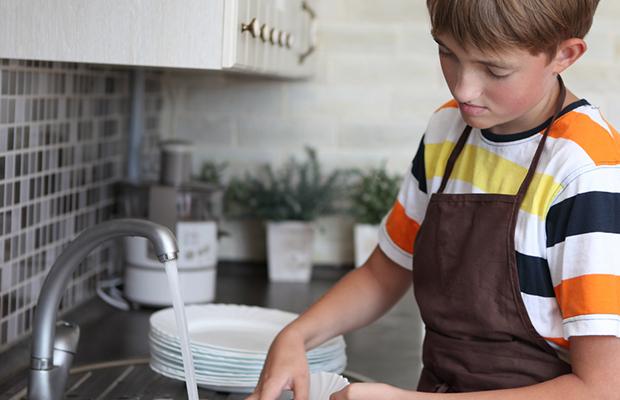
[128, 379]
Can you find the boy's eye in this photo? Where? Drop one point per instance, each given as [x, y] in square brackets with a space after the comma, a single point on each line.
[444, 51]
[497, 75]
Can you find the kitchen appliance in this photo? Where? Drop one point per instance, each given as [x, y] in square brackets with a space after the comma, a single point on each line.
[189, 209]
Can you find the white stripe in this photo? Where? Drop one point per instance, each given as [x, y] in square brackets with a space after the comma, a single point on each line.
[545, 315]
[589, 253]
[595, 115]
[394, 253]
[413, 200]
[530, 235]
[445, 124]
[604, 178]
[592, 325]
[453, 186]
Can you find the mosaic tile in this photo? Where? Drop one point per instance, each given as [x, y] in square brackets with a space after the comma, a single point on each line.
[63, 131]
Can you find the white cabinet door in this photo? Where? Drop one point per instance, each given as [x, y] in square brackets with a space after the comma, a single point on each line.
[252, 36]
[162, 33]
[268, 36]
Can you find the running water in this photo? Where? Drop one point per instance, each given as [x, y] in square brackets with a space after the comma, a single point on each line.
[179, 313]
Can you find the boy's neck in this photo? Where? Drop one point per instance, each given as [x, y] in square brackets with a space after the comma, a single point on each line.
[537, 115]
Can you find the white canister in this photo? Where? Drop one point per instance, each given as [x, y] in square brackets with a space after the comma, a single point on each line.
[289, 251]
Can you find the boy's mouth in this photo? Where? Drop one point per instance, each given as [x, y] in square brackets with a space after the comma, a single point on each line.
[471, 109]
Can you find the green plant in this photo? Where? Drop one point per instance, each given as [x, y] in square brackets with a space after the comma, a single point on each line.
[211, 172]
[372, 194]
[296, 191]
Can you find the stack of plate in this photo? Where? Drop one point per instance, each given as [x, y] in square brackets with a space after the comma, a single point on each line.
[229, 345]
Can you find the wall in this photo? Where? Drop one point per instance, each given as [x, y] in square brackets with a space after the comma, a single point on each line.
[63, 132]
[377, 82]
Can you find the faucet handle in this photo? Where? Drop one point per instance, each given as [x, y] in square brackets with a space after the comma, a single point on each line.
[48, 381]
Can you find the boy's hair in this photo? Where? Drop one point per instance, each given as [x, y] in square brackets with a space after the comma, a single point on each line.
[537, 26]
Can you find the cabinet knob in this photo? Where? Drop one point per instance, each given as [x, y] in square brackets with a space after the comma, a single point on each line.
[264, 32]
[252, 27]
[290, 40]
[282, 38]
[273, 36]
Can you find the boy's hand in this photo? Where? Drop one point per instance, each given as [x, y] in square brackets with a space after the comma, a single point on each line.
[367, 391]
[286, 368]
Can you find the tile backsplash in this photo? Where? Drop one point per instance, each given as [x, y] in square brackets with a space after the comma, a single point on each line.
[63, 135]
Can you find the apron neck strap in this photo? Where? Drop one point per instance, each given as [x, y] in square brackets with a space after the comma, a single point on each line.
[532, 170]
[460, 144]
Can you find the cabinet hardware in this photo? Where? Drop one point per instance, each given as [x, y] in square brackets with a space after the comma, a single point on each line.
[282, 38]
[252, 27]
[290, 40]
[273, 36]
[264, 32]
[312, 41]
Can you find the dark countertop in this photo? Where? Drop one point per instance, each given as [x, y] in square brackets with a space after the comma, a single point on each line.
[386, 351]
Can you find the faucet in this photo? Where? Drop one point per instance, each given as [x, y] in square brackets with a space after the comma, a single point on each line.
[54, 345]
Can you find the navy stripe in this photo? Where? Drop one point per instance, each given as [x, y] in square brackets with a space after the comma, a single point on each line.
[534, 276]
[583, 213]
[418, 169]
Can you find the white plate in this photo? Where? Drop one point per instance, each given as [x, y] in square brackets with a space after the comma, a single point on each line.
[323, 384]
[231, 328]
[220, 387]
[231, 371]
[173, 345]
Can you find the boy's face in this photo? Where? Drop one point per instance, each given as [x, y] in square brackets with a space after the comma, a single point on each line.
[507, 92]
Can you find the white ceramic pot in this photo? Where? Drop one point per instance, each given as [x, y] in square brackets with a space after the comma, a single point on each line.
[366, 238]
[289, 251]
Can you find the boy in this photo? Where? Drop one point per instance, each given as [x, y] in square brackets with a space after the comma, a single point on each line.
[509, 222]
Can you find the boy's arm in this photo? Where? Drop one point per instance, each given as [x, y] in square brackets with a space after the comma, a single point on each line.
[356, 300]
[596, 376]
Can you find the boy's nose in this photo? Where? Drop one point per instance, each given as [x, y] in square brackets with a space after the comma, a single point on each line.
[467, 88]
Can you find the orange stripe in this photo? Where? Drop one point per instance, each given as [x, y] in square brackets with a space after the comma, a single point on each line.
[450, 104]
[602, 148]
[402, 229]
[559, 341]
[589, 294]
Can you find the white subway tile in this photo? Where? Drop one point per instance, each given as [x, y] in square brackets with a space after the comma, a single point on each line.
[292, 133]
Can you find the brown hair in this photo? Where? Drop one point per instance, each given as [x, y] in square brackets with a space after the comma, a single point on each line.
[538, 26]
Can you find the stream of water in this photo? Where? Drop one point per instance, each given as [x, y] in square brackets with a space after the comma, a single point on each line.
[179, 313]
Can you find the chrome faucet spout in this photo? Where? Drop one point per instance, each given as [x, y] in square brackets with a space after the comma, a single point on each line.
[44, 366]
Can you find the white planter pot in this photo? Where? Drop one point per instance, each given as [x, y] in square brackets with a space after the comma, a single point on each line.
[366, 238]
[289, 251]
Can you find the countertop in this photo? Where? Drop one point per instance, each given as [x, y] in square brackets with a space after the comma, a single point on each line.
[386, 351]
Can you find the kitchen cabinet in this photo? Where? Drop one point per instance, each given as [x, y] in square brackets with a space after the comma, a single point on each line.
[269, 37]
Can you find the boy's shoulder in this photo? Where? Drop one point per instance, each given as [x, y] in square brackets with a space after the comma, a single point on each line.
[584, 129]
[445, 124]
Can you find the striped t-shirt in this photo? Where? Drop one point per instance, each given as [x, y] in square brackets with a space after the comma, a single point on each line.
[567, 238]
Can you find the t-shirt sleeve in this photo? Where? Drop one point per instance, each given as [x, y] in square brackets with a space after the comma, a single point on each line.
[401, 224]
[583, 251]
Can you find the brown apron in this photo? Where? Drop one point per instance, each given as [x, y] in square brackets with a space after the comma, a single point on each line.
[478, 333]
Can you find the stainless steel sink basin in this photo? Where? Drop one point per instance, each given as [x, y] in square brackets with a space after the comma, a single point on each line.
[127, 379]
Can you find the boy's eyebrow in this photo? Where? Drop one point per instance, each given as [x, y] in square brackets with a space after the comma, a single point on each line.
[489, 63]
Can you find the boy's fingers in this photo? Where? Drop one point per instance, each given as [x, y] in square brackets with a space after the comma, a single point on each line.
[301, 389]
[270, 391]
[253, 396]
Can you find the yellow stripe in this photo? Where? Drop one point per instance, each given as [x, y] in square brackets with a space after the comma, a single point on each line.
[492, 174]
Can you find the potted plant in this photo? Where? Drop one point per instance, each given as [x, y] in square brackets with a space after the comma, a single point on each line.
[288, 199]
[372, 195]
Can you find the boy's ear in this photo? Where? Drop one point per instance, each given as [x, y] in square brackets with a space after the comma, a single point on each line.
[568, 52]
